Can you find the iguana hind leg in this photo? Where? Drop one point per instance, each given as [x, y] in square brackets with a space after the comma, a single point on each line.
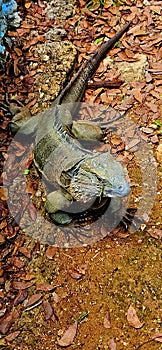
[94, 128]
[24, 122]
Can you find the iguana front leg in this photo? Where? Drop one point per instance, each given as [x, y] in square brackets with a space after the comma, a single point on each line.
[55, 202]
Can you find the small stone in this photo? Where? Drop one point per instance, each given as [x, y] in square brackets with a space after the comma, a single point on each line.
[154, 139]
[159, 153]
[45, 87]
[147, 130]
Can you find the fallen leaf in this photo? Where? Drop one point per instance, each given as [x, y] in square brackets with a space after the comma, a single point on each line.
[69, 335]
[50, 252]
[21, 285]
[8, 320]
[111, 344]
[45, 287]
[21, 296]
[156, 9]
[3, 311]
[157, 337]
[74, 273]
[107, 321]
[3, 193]
[55, 297]
[17, 262]
[25, 252]
[33, 299]
[34, 41]
[156, 233]
[48, 310]
[137, 94]
[18, 51]
[12, 336]
[133, 319]
[28, 5]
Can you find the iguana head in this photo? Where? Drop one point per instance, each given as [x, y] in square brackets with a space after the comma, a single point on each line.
[99, 175]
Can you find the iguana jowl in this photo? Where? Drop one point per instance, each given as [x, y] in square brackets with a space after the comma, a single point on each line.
[78, 174]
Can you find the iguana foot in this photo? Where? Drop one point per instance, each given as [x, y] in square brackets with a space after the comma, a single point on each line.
[60, 217]
[130, 219]
[69, 232]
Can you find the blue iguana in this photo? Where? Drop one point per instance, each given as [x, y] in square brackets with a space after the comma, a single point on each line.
[76, 173]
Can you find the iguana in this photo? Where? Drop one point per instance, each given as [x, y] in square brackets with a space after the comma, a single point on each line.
[77, 174]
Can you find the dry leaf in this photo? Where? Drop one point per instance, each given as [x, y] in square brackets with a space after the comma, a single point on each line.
[8, 320]
[28, 5]
[137, 94]
[133, 319]
[21, 296]
[48, 310]
[12, 336]
[50, 252]
[107, 321]
[45, 287]
[22, 285]
[34, 41]
[75, 273]
[111, 344]
[157, 337]
[69, 335]
[156, 233]
[33, 299]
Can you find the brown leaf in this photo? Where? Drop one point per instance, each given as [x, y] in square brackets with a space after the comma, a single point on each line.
[17, 262]
[33, 299]
[34, 41]
[8, 320]
[152, 106]
[74, 273]
[69, 335]
[25, 252]
[50, 252]
[107, 321]
[133, 319]
[111, 344]
[3, 311]
[21, 285]
[156, 9]
[31, 186]
[28, 5]
[41, 4]
[137, 94]
[18, 51]
[12, 336]
[21, 296]
[82, 269]
[3, 193]
[48, 310]
[45, 287]
[156, 233]
[55, 297]
[157, 337]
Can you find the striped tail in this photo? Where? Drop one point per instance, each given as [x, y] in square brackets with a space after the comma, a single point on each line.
[74, 90]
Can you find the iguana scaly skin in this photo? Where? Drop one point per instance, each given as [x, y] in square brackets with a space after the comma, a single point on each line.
[77, 173]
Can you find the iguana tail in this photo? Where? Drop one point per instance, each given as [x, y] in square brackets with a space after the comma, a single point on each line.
[74, 91]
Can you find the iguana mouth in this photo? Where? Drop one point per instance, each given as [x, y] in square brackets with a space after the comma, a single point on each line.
[121, 191]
